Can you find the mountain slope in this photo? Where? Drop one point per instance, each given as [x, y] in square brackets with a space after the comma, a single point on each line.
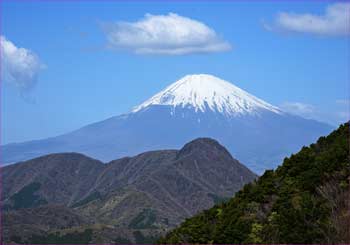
[305, 200]
[70, 175]
[257, 133]
[206, 92]
[151, 192]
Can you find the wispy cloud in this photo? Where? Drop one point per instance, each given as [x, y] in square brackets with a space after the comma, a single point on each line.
[20, 66]
[169, 34]
[334, 22]
[335, 113]
[298, 108]
[344, 109]
[345, 102]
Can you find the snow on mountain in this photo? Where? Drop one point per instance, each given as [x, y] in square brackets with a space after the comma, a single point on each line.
[202, 92]
[255, 132]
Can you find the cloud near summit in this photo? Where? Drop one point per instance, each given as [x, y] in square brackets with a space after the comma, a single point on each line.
[169, 34]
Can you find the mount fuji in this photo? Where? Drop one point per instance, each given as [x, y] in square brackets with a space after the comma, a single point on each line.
[257, 133]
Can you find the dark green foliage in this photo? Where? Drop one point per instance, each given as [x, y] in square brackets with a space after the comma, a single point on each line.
[70, 238]
[92, 197]
[144, 219]
[296, 203]
[217, 199]
[142, 239]
[26, 197]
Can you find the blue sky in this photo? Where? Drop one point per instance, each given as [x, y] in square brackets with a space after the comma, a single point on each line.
[79, 77]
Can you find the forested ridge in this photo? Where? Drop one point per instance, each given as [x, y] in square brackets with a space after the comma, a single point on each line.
[305, 200]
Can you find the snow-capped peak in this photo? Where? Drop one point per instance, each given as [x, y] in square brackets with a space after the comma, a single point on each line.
[202, 92]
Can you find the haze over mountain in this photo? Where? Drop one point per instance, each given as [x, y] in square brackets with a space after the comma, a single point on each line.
[148, 193]
[256, 132]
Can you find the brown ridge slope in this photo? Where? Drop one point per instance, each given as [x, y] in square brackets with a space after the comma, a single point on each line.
[151, 192]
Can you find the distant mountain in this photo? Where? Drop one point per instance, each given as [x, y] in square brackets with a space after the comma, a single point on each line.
[304, 201]
[208, 93]
[254, 131]
[131, 199]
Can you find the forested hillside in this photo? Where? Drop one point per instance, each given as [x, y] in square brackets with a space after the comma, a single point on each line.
[305, 200]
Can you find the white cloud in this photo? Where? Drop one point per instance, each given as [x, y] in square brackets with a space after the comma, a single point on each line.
[344, 110]
[333, 113]
[298, 108]
[335, 21]
[343, 116]
[345, 102]
[170, 34]
[20, 66]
